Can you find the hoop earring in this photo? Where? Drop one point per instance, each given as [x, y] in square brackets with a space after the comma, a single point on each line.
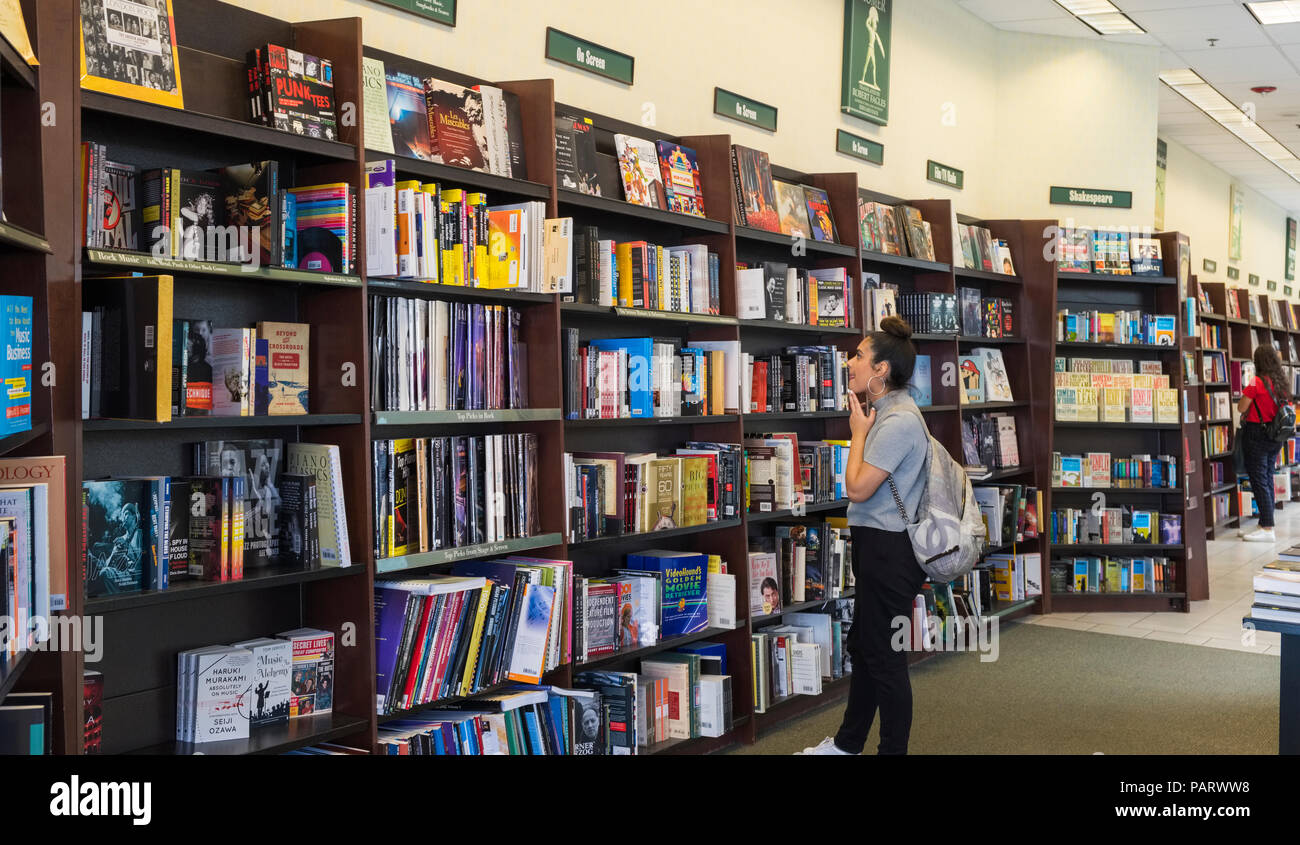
[871, 392]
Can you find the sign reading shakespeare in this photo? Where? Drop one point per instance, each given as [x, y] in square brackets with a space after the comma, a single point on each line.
[864, 72]
[442, 11]
[586, 55]
[1090, 196]
[945, 175]
[743, 109]
[859, 147]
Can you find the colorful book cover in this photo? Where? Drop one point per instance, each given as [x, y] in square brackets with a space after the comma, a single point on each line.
[685, 596]
[456, 132]
[131, 54]
[764, 584]
[322, 235]
[312, 682]
[970, 369]
[819, 214]
[681, 173]
[755, 191]
[17, 368]
[920, 384]
[638, 167]
[287, 366]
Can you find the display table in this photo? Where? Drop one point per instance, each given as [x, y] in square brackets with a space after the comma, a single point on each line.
[1288, 716]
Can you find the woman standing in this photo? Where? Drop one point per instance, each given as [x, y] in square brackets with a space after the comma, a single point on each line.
[1258, 405]
[890, 442]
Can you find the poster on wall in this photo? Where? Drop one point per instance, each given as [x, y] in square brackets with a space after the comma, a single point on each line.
[864, 75]
[1236, 210]
[1184, 266]
[1162, 159]
[1290, 248]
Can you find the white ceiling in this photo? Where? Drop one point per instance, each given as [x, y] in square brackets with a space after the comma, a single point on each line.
[1246, 55]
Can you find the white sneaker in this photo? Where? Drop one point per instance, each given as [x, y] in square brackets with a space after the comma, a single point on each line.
[1261, 535]
[827, 746]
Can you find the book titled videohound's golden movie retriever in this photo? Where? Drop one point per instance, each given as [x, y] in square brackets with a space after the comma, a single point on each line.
[128, 49]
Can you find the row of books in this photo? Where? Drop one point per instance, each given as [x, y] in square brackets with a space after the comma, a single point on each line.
[1241, 304]
[1116, 404]
[801, 378]
[612, 493]
[1112, 366]
[227, 372]
[932, 313]
[1116, 327]
[1218, 406]
[639, 274]
[981, 251]
[1214, 367]
[1115, 525]
[799, 562]
[1100, 470]
[435, 355]
[1115, 252]
[677, 695]
[33, 551]
[487, 622]
[774, 205]
[1213, 336]
[796, 655]
[450, 492]
[1106, 574]
[227, 692]
[27, 724]
[579, 167]
[989, 442]
[975, 315]
[239, 511]
[894, 230]
[291, 91]
[1219, 506]
[1277, 589]
[478, 128]
[630, 378]
[773, 290]
[1009, 511]
[1216, 440]
[658, 595]
[983, 375]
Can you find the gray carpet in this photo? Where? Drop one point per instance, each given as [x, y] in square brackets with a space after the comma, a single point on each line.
[1057, 691]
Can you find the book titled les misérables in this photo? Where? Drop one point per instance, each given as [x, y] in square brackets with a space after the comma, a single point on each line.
[685, 589]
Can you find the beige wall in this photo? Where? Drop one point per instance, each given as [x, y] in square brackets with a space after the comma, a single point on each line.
[1196, 202]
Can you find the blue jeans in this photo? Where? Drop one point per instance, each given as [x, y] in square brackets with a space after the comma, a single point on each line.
[1260, 456]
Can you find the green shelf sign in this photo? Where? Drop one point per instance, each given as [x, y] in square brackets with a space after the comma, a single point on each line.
[1090, 196]
[743, 109]
[1271, 285]
[589, 56]
[1286, 289]
[1209, 266]
[1234, 273]
[945, 175]
[859, 147]
[442, 11]
[1253, 279]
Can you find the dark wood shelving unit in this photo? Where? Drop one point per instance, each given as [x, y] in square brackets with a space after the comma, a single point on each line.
[17, 441]
[273, 739]
[17, 238]
[399, 418]
[1113, 279]
[188, 423]
[634, 422]
[144, 262]
[746, 233]
[651, 537]
[605, 205]
[260, 579]
[11, 671]
[435, 290]
[446, 173]
[987, 276]
[754, 517]
[881, 259]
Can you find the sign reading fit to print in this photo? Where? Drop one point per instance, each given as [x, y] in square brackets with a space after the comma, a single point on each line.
[864, 75]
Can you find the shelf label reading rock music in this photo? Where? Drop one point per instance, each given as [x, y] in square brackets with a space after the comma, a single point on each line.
[442, 11]
[1209, 266]
[1090, 196]
[743, 109]
[130, 259]
[586, 55]
[945, 175]
[1234, 273]
[859, 147]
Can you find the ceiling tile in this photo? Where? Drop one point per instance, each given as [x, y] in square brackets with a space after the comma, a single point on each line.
[1153, 5]
[1254, 65]
[1069, 26]
[1245, 35]
[996, 11]
[1283, 33]
[1203, 19]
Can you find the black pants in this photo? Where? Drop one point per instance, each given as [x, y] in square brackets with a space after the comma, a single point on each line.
[1260, 456]
[888, 581]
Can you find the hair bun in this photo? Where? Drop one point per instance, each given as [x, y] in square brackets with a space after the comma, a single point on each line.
[896, 326]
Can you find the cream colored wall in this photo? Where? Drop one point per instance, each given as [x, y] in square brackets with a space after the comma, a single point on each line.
[1076, 113]
[1196, 202]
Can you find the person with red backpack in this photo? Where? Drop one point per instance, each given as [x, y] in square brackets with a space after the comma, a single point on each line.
[1268, 420]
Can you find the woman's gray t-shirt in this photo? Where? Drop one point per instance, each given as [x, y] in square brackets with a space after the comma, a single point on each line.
[897, 443]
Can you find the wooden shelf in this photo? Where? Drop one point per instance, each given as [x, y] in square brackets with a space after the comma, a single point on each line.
[1127, 549]
[435, 290]
[607, 205]
[265, 421]
[14, 66]
[609, 311]
[935, 409]
[1000, 610]
[754, 517]
[1113, 279]
[646, 651]
[990, 340]
[451, 176]
[18, 238]
[707, 419]
[395, 418]
[188, 590]
[1123, 347]
[442, 556]
[22, 438]
[993, 406]
[759, 417]
[905, 261]
[1222, 488]
[999, 474]
[272, 739]
[745, 233]
[1212, 317]
[1164, 491]
[1129, 596]
[11, 669]
[144, 262]
[795, 608]
[1216, 456]
[217, 127]
[651, 536]
[986, 275]
[797, 327]
[1118, 425]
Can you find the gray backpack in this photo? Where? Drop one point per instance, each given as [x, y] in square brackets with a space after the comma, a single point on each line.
[948, 534]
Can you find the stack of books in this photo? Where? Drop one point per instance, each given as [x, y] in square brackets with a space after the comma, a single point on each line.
[1277, 589]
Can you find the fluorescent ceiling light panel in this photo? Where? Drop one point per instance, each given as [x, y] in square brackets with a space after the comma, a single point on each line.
[1189, 84]
[1102, 17]
[1275, 12]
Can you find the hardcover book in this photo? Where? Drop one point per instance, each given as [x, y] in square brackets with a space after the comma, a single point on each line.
[136, 346]
[685, 594]
[128, 49]
[287, 366]
[682, 188]
[312, 682]
[250, 202]
[117, 518]
[258, 463]
[638, 166]
[456, 132]
[793, 211]
[16, 370]
[755, 191]
[575, 155]
[408, 115]
[819, 214]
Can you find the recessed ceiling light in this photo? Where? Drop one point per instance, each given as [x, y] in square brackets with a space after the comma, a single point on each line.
[1222, 111]
[1275, 12]
[1102, 17]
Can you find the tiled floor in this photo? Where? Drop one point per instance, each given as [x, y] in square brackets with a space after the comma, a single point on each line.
[1215, 623]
